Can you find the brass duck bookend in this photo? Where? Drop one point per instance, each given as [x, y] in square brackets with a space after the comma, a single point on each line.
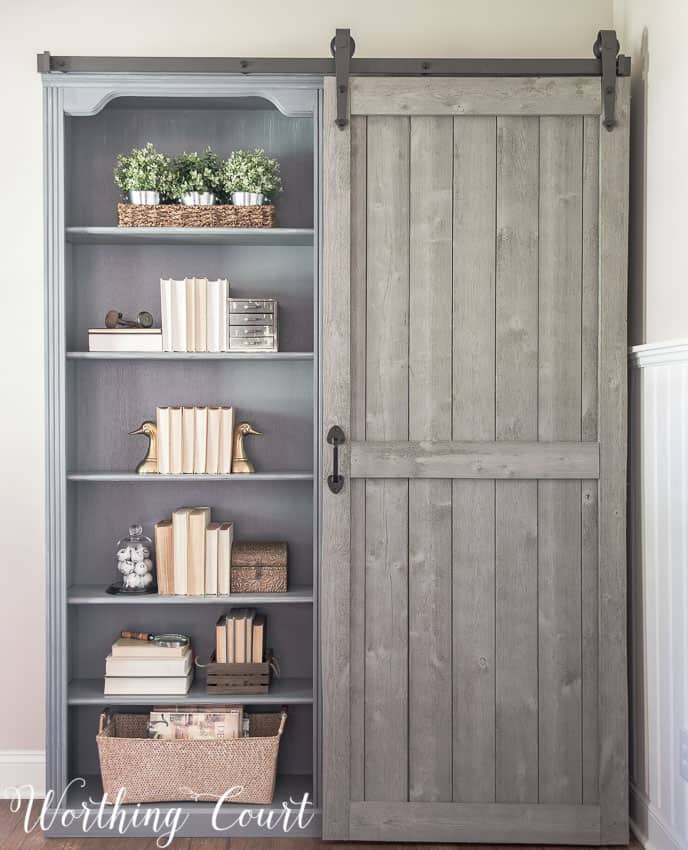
[150, 461]
[240, 463]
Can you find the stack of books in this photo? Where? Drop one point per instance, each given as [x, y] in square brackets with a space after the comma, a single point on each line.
[196, 723]
[194, 555]
[125, 339]
[240, 637]
[194, 440]
[142, 667]
[194, 314]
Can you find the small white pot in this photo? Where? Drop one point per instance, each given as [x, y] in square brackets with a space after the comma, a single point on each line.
[141, 197]
[247, 199]
[198, 199]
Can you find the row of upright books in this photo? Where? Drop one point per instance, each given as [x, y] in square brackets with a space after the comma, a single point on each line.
[194, 314]
[194, 554]
[194, 440]
[240, 637]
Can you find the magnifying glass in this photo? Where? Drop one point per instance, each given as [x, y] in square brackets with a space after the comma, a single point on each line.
[170, 639]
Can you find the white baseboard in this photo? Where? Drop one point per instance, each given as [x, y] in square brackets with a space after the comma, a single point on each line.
[648, 827]
[22, 767]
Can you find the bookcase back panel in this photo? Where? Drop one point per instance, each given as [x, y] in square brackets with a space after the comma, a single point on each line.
[95, 142]
[101, 512]
[92, 630]
[295, 752]
[127, 277]
[276, 398]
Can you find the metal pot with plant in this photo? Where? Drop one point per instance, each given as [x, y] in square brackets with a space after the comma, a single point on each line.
[196, 177]
[251, 177]
[143, 175]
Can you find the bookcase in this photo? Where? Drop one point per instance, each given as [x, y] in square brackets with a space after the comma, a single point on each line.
[95, 398]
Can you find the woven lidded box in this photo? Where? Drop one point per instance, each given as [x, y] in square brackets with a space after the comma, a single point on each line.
[259, 568]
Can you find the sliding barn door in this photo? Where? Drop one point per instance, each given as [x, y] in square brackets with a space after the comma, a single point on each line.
[474, 339]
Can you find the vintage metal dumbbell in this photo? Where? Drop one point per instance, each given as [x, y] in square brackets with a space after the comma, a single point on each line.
[115, 319]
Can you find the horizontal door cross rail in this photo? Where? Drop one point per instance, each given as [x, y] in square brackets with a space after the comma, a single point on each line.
[446, 459]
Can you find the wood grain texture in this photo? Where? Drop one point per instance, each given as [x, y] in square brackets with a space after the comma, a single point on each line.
[475, 822]
[473, 591]
[589, 501]
[613, 703]
[516, 343]
[559, 502]
[358, 429]
[475, 96]
[430, 418]
[335, 527]
[475, 459]
[387, 416]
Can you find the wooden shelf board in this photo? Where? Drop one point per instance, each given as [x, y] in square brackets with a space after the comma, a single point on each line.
[189, 235]
[115, 477]
[94, 594]
[282, 692]
[288, 356]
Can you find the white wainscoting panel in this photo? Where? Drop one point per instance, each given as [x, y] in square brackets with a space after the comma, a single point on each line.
[658, 545]
[21, 767]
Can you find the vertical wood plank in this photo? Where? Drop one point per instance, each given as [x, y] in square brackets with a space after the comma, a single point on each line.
[336, 519]
[559, 502]
[387, 416]
[516, 311]
[473, 418]
[613, 271]
[589, 502]
[430, 410]
[358, 413]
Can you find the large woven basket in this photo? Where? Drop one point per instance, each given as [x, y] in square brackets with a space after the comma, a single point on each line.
[150, 770]
[179, 215]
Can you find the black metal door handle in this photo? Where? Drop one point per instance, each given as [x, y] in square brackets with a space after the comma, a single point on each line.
[335, 438]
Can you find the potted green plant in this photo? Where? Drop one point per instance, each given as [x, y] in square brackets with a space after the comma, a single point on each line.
[143, 175]
[249, 177]
[196, 177]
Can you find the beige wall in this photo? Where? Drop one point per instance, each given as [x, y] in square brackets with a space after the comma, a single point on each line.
[546, 28]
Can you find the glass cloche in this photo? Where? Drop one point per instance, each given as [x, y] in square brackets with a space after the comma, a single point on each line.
[134, 563]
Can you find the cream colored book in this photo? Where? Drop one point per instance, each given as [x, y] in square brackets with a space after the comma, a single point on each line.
[212, 534]
[188, 431]
[166, 313]
[132, 648]
[258, 639]
[180, 540]
[224, 557]
[162, 419]
[198, 522]
[201, 313]
[190, 292]
[212, 449]
[200, 439]
[176, 440]
[213, 315]
[125, 339]
[226, 434]
[164, 557]
[124, 666]
[224, 318]
[148, 685]
[178, 299]
[221, 640]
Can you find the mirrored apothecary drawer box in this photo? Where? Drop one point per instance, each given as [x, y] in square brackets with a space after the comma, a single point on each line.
[252, 324]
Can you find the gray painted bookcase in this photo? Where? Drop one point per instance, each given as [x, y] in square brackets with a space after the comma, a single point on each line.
[93, 399]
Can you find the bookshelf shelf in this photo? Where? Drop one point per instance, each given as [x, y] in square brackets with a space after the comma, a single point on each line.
[173, 356]
[277, 236]
[124, 477]
[282, 692]
[94, 594]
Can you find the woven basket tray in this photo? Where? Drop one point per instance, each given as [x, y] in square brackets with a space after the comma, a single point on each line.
[179, 215]
[151, 770]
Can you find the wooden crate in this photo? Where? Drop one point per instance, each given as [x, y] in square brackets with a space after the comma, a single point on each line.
[238, 678]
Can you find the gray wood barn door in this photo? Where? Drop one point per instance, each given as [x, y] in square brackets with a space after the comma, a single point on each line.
[474, 340]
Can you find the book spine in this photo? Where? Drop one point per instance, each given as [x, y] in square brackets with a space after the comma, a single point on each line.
[214, 300]
[180, 536]
[178, 290]
[189, 291]
[226, 435]
[224, 318]
[166, 313]
[162, 418]
[201, 293]
[211, 554]
[212, 459]
[200, 439]
[164, 554]
[188, 432]
[176, 440]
